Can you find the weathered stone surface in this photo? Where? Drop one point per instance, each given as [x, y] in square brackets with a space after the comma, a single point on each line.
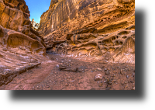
[99, 28]
[14, 14]
[21, 47]
[18, 53]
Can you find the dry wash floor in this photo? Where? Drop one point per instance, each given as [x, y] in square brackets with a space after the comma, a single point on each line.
[66, 73]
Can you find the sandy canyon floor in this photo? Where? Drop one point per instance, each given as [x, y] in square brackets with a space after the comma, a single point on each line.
[68, 73]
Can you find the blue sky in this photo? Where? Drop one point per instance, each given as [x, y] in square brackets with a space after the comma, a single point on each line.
[37, 8]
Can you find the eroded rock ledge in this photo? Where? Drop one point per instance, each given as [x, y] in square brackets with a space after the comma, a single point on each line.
[95, 28]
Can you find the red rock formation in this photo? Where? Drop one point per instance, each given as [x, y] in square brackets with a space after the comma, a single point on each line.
[14, 15]
[103, 28]
[21, 48]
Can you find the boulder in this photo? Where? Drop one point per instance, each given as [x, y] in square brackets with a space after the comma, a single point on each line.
[98, 77]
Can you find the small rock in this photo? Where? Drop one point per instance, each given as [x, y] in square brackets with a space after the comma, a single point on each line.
[79, 82]
[107, 72]
[121, 71]
[61, 67]
[105, 69]
[72, 81]
[127, 76]
[92, 89]
[100, 84]
[99, 69]
[133, 88]
[133, 74]
[125, 82]
[66, 84]
[47, 86]
[131, 81]
[4, 49]
[108, 88]
[110, 83]
[57, 66]
[82, 69]
[52, 59]
[71, 69]
[114, 75]
[98, 77]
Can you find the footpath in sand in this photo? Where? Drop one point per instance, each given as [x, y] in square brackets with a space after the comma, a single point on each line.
[66, 73]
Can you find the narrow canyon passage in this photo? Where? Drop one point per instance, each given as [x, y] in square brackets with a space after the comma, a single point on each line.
[78, 45]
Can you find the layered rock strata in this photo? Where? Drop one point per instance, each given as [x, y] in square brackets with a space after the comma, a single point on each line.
[21, 47]
[96, 28]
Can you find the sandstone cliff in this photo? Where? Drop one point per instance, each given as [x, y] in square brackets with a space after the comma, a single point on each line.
[86, 28]
[21, 48]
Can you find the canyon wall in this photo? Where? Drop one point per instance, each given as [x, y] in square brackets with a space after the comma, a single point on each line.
[21, 47]
[99, 28]
[14, 15]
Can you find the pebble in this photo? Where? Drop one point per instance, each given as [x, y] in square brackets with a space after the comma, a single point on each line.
[131, 81]
[125, 82]
[100, 84]
[4, 49]
[127, 76]
[105, 69]
[72, 81]
[66, 84]
[133, 88]
[107, 72]
[114, 75]
[79, 82]
[57, 66]
[99, 69]
[122, 71]
[133, 74]
[110, 83]
[98, 77]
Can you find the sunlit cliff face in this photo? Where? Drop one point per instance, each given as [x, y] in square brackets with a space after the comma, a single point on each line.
[87, 28]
